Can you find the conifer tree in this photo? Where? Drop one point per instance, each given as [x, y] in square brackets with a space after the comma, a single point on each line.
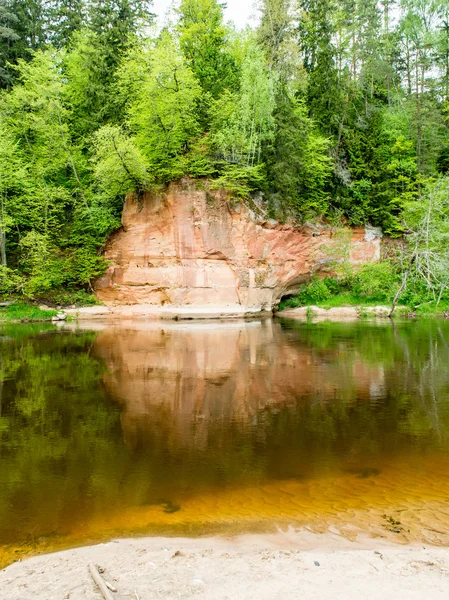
[62, 19]
[8, 36]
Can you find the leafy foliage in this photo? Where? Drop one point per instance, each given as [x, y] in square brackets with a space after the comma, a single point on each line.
[425, 255]
[10, 281]
[163, 112]
[329, 109]
[376, 282]
[372, 284]
[119, 167]
[203, 40]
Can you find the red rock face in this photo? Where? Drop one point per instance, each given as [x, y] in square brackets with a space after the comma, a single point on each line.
[189, 247]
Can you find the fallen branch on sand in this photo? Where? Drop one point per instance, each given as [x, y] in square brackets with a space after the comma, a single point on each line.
[102, 585]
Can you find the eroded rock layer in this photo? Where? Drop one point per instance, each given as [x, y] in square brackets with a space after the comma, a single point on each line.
[190, 247]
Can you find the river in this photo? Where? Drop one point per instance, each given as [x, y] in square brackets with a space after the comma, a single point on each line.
[194, 428]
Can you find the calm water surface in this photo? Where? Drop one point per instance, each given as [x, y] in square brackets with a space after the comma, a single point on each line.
[197, 428]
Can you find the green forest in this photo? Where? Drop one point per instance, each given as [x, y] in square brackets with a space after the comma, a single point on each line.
[328, 109]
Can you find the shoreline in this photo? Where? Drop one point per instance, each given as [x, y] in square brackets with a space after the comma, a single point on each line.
[343, 313]
[171, 313]
[285, 565]
[150, 312]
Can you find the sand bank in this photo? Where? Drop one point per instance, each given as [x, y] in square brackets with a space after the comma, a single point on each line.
[281, 566]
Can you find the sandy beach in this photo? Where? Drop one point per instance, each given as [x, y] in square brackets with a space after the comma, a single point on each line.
[281, 566]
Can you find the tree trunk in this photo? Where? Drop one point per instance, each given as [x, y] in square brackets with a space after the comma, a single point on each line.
[445, 28]
[387, 45]
[407, 67]
[418, 124]
[2, 233]
[403, 285]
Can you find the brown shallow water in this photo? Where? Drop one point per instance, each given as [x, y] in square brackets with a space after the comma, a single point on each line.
[200, 428]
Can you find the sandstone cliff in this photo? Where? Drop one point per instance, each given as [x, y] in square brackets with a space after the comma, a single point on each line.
[193, 249]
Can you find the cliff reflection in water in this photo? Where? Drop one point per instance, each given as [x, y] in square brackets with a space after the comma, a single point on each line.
[240, 401]
[137, 427]
[176, 380]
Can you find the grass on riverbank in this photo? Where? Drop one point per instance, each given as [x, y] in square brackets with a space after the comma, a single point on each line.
[21, 311]
[348, 299]
[344, 299]
[372, 285]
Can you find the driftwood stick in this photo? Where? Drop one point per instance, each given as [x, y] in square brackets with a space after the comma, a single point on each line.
[110, 586]
[100, 582]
